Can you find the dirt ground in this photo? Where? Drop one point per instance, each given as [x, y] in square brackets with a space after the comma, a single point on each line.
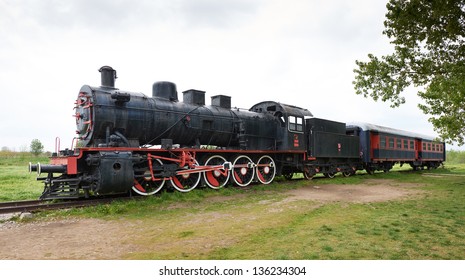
[100, 239]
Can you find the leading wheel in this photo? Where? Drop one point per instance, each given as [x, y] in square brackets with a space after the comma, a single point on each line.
[186, 180]
[218, 177]
[266, 169]
[146, 185]
[243, 171]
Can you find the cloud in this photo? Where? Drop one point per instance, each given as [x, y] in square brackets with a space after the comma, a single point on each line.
[297, 52]
[65, 15]
[123, 15]
[211, 14]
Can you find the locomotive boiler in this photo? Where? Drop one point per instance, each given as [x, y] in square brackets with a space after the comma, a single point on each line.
[109, 117]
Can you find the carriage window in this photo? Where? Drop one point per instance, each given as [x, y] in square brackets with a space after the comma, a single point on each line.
[391, 143]
[382, 142]
[424, 146]
[399, 144]
[296, 124]
[429, 146]
[412, 145]
[405, 144]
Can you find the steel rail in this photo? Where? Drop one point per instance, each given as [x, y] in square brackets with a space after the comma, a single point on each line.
[40, 205]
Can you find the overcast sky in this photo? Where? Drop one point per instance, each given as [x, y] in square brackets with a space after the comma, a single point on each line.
[296, 52]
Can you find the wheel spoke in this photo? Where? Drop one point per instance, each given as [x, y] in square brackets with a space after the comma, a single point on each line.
[146, 184]
[266, 169]
[218, 177]
[186, 181]
[243, 170]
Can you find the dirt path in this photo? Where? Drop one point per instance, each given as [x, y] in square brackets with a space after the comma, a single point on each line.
[99, 239]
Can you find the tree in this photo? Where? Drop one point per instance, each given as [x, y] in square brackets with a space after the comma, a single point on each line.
[429, 53]
[36, 147]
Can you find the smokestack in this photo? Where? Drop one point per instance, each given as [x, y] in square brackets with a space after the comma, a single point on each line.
[108, 75]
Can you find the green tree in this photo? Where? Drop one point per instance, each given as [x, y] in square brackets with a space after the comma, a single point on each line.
[429, 53]
[36, 147]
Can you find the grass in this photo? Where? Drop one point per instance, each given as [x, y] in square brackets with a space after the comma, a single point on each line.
[256, 223]
[382, 231]
[15, 181]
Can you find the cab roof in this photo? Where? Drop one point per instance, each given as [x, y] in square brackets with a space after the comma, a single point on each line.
[272, 107]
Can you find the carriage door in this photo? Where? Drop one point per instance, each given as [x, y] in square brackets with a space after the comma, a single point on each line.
[296, 133]
[418, 150]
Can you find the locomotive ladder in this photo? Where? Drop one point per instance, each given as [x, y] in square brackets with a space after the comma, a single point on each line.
[241, 135]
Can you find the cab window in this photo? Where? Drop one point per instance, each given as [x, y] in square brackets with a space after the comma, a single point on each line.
[296, 124]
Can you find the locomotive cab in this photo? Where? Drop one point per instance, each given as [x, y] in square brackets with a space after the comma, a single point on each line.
[291, 119]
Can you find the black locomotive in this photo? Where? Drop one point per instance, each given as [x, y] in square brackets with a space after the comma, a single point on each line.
[130, 141]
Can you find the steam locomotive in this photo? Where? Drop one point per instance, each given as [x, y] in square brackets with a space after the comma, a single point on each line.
[130, 142]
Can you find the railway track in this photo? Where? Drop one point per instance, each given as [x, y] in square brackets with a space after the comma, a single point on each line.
[40, 205]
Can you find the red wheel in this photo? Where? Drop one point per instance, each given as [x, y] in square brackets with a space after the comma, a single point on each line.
[266, 170]
[219, 177]
[145, 184]
[186, 181]
[243, 170]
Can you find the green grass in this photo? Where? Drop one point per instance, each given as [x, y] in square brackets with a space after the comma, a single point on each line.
[257, 222]
[395, 230]
[15, 181]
